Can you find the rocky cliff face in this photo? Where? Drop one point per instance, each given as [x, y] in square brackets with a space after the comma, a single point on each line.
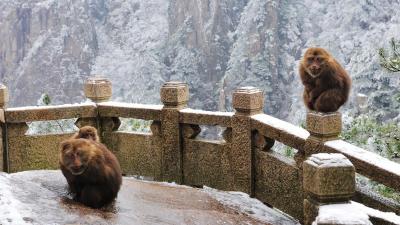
[45, 46]
[214, 45]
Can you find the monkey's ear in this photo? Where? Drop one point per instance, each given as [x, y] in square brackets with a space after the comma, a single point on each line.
[65, 145]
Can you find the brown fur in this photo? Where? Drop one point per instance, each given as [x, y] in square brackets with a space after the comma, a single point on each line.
[87, 132]
[93, 173]
[326, 83]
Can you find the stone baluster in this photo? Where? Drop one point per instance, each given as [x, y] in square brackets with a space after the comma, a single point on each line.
[327, 179]
[4, 98]
[322, 127]
[247, 101]
[98, 89]
[174, 96]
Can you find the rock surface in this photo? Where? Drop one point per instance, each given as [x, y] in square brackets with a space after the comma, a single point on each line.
[41, 197]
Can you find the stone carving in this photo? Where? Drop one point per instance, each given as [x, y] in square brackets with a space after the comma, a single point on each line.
[248, 100]
[327, 178]
[174, 94]
[98, 89]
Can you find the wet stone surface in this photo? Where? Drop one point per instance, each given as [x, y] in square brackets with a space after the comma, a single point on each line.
[41, 197]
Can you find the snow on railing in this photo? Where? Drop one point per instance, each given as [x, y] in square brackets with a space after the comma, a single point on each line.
[41, 113]
[201, 117]
[282, 131]
[129, 110]
[367, 163]
[353, 213]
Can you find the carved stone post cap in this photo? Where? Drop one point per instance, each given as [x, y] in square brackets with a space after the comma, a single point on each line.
[4, 97]
[248, 100]
[329, 177]
[174, 93]
[98, 89]
[324, 125]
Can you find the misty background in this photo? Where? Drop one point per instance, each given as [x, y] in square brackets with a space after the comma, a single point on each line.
[216, 46]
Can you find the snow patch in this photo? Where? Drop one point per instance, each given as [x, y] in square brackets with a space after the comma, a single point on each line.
[251, 206]
[329, 160]
[203, 112]
[353, 213]
[388, 216]
[341, 214]
[26, 108]
[11, 211]
[282, 125]
[131, 105]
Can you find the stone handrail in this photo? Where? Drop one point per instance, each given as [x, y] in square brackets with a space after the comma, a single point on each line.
[367, 163]
[129, 110]
[281, 131]
[201, 117]
[43, 113]
[243, 161]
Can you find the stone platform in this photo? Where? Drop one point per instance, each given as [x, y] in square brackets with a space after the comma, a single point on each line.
[41, 197]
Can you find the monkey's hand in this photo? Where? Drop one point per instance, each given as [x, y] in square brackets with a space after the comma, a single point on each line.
[314, 94]
[310, 105]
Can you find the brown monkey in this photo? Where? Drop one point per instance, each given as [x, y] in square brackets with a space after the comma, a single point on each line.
[93, 173]
[326, 83]
[87, 132]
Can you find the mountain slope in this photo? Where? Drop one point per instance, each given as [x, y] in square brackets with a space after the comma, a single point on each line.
[214, 45]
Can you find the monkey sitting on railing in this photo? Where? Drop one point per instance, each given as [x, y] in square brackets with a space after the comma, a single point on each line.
[326, 83]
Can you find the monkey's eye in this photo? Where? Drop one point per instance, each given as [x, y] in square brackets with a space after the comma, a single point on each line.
[310, 60]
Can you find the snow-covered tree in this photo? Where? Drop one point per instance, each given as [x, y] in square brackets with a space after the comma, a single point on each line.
[391, 62]
[53, 126]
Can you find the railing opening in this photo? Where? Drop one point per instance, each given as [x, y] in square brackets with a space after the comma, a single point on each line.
[284, 150]
[211, 132]
[135, 125]
[52, 127]
[377, 188]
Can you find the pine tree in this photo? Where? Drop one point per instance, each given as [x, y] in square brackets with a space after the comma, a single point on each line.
[391, 62]
[46, 99]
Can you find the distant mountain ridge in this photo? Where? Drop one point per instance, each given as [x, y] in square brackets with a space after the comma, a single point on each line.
[50, 46]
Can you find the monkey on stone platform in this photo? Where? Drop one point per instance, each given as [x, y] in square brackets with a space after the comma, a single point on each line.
[92, 171]
[326, 83]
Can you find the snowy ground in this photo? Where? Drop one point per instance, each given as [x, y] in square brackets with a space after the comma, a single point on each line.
[40, 197]
[353, 213]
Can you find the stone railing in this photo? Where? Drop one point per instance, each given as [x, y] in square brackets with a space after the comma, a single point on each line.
[243, 160]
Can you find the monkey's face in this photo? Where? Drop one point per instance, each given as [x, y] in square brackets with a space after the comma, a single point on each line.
[75, 156]
[314, 61]
[87, 135]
